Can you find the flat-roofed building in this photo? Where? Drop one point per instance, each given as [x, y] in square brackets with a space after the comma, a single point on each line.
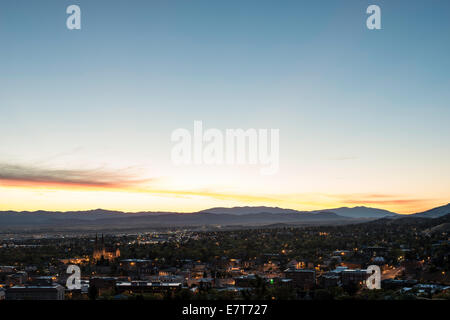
[329, 279]
[137, 266]
[281, 282]
[8, 269]
[246, 281]
[18, 278]
[42, 280]
[358, 276]
[301, 278]
[50, 292]
[103, 284]
[146, 286]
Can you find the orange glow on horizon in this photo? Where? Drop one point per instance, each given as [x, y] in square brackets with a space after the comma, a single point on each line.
[202, 199]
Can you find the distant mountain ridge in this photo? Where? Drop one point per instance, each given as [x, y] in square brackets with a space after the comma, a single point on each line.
[434, 213]
[214, 217]
[106, 219]
[249, 210]
[358, 212]
[362, 212]
[355, 212]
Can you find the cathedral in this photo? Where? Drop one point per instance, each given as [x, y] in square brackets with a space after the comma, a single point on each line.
[101, 251]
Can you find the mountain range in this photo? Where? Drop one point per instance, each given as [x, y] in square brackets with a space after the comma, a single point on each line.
[435, 212]
[214, 217]
[355, 212]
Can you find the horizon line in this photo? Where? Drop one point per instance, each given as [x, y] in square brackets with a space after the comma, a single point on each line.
[187, 212]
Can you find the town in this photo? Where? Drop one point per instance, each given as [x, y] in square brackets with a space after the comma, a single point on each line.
[304, 263]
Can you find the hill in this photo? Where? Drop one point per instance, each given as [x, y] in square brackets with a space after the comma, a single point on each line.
[434, 213]
[356, 212]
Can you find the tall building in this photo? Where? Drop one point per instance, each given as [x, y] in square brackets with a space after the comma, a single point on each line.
[101, 251]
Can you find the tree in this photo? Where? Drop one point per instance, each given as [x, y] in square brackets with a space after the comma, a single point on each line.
[93, 292]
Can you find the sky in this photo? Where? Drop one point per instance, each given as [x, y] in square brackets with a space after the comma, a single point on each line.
[86, 116]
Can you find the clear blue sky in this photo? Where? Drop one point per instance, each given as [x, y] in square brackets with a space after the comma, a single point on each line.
[365, 111]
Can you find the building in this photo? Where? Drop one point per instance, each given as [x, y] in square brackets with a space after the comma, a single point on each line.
[294, 264]
[246, 281]
[50, 292]
[281, 282]
[103, 284]
[18, 278]
[100, 251]
[226, 282]
[6, 271]
[329, 279]
[42, 280]
[374, 251]
[140, 287]
[234, 267]
[358, 276]
[301, 278]
[137, 268]
[379, 261]
[342, 253]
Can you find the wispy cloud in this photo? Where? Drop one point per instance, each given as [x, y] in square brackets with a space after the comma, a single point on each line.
[33, 176]
[343, 158]
[386, 202]
[396, 202]
[382, 199]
